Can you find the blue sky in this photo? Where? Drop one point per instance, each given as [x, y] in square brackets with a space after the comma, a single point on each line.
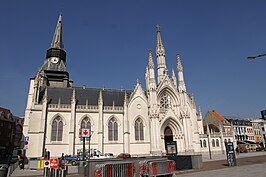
[107, 45]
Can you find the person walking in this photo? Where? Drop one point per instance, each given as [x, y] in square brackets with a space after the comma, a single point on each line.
[21, 163]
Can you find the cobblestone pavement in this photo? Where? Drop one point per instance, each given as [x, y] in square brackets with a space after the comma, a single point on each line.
[248, 164]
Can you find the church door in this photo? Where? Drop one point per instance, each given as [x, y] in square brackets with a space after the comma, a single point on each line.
[168, 135]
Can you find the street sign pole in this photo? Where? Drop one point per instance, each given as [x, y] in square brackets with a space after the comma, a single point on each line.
[89, 154]
[83, 153]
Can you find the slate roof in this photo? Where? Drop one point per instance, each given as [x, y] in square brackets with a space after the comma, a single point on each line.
[83, 95]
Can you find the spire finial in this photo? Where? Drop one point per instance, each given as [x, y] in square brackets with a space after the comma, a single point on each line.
[159, 48]
[158, 27]
[57, 39]
[150, 64]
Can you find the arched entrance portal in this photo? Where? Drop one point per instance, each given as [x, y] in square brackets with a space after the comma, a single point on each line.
[170, 145]
[168, 134]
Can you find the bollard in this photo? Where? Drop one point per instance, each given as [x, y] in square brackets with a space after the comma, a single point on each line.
[63, 173]
[46, 172]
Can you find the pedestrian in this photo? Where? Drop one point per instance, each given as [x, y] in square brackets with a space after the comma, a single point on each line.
[237, 150]
[21, 163]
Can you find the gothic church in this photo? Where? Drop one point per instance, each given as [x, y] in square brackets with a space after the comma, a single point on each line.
[137, 121]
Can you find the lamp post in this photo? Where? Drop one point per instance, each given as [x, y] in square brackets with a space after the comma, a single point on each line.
[91, 132]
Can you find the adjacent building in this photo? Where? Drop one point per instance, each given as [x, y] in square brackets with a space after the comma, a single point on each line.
[259, 126]
[11, 134]
[119, 120]
[217, 131]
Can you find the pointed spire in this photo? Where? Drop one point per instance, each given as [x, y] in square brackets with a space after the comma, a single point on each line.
[174, 77]
[220, 127]
[113, 104]
[151, 64]
[73, 98]
[138, 82]
[100, 99]
[179, 64]
[173, 73]
[59, 102]
[57, 39]
[125, 99]
[208, 129]
[159, 48]
[147, 72]
[45, 96]
[181, 82]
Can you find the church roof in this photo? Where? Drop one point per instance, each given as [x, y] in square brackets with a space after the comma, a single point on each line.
[217, 116]
[85, 96]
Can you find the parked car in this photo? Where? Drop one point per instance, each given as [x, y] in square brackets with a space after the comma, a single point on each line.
[124, 155]
[242, 149]
[73, 160]
[109, 155]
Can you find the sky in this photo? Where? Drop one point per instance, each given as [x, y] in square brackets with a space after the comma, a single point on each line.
[107, 45]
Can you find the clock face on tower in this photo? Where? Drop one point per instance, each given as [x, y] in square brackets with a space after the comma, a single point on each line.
[55, 60]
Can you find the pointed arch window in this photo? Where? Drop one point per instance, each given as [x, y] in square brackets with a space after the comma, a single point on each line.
[213, 143]
[112, 130]
[201, 143]
[204, 143]
[57, 129]
[217, 143]
[85, 123]
[139, 134]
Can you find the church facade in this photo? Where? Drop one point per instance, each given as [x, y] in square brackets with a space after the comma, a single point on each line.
[138, 121]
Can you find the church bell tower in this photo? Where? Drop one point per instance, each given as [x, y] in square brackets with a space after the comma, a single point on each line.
[53, 72]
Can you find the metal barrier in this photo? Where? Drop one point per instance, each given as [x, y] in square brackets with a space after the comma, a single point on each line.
[115, 170]
[156, 167]
[131, 167]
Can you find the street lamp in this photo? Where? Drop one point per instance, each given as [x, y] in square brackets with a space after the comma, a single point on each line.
[257, 56]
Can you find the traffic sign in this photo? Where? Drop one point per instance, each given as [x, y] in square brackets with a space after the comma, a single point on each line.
[47, 163]
[26, 138]
[54, 163]
[85, 132]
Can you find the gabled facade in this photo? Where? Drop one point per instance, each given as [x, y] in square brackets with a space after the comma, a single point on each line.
[217, 131]
[121, 120]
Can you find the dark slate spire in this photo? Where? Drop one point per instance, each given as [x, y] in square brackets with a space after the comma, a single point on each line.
[57, 39]
[57, 46]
